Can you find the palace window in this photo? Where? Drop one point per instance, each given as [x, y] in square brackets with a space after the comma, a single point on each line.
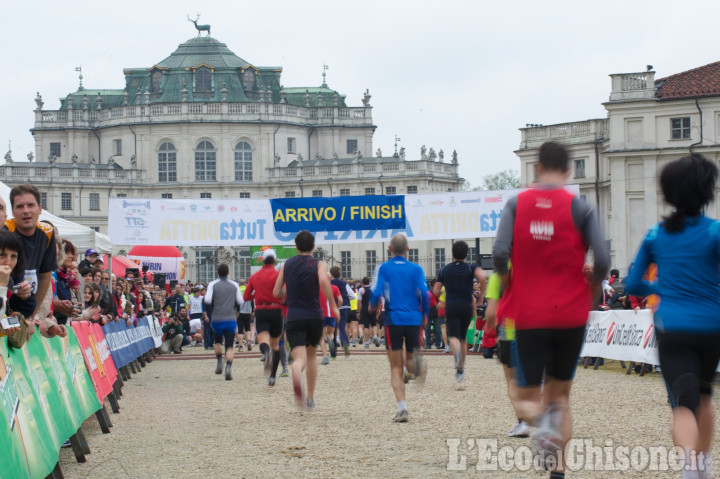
[390, 190]
[203, 79]
[205, 196]
[369, 191]
[166, 196]
[344, 191]
[117, 147]
[249, 80]
[292, 145]
[43, 200]
[413, 255]
[205, 164]
[55, 149]
[579, 168]
[289, 194]
[94, 201]
[155, 81]
[244, 194]
[412, 190]
[680, 128]
[370, 262]
[66, 201]
[352, 146]
[439, 260]
[345, 264]
[317, 193]
[167, 163]
[243, 161]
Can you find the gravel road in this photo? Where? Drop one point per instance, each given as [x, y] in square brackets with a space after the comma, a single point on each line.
[179, 420]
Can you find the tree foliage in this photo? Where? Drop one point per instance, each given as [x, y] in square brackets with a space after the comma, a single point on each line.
[502, 180]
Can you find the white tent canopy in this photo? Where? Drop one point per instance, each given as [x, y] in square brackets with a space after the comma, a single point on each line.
[81, 236]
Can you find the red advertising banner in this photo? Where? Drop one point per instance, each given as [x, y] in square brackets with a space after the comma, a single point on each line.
[95, 350]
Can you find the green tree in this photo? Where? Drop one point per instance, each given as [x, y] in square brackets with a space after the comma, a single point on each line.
[502, 180]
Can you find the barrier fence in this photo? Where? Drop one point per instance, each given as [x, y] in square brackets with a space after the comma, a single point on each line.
[50, 386]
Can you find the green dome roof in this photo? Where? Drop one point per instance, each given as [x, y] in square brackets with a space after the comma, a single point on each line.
[205, 50]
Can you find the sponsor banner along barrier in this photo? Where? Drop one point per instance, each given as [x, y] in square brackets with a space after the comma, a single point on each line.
[97, 356]
[621, 335]
[127, 343]
[247, 222]
[46, 395]
[155, 330]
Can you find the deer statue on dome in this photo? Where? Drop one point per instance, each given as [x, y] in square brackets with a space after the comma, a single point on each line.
[199, 28]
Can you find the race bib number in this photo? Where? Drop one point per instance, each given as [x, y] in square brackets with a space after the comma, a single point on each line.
[32, 278]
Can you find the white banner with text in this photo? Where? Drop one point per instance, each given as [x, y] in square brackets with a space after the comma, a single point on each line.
[248, 222]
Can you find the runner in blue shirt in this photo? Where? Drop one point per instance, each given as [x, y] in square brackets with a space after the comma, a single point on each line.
[403, 287]
[686, 249]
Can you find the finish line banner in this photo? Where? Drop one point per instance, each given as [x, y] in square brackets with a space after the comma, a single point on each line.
[247, 222]
[342, 213]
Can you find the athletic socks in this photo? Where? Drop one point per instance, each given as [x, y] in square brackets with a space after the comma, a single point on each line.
[283, 356]
[228, 370]
[402, 406]
[557, 475]
[218, 369]
[264, 348]
[275, 363]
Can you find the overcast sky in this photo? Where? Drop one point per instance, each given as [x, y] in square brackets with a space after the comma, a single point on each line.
[448, 74]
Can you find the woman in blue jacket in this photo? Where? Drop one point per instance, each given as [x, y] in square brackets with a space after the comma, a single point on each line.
[686, 249]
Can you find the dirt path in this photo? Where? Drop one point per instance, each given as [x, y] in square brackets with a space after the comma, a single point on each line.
[179, 420]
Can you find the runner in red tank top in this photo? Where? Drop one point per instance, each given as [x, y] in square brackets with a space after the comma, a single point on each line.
[547, 230]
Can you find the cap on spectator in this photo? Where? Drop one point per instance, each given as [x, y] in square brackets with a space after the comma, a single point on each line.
[90, 251]
[269, 253]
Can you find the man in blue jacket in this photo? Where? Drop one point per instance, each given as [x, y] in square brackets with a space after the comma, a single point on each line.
[404, 289]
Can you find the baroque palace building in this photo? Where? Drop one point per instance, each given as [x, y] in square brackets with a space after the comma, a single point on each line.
[617, 160]
[204, 123]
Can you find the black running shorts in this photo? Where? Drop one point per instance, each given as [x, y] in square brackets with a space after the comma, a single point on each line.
[269, 320]
[688, 362]
[244, 321]
[457, 319]
[368, 320]
[551, 352]
[396, 335]
[304, 332]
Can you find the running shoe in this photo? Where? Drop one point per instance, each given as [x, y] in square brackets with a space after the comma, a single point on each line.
[66, 443]
[271, 381]
[193, 343]
[547, 442]
[309, 404]
[367, 345]
[420, 368]
[333, 347]
[521, 429]
[228, 372]
[402, 416]
[376, 340]
[447, 349]
[460, 375]
[249, 345]
[407, 376]
[354, 343]
[346, 348]
[326, 360]
[285, 373]
[262, 358]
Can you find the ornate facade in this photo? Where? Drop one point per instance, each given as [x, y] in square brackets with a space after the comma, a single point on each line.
[204, 123]
[617, 160]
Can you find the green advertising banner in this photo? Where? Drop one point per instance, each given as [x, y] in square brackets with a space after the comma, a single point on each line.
[46, 395]
[283, 253]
